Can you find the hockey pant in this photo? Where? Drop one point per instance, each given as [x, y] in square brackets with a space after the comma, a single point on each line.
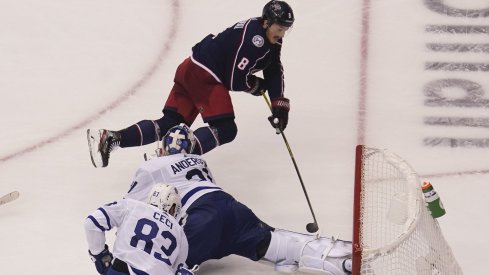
[217, 226]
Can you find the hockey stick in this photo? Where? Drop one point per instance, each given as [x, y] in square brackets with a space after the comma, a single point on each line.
[310, 227]
[9, 197]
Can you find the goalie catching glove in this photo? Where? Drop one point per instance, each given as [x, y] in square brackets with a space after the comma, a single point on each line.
[280, 113]
[103, 260]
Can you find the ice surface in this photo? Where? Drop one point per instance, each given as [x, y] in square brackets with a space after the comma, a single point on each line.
[356, 72]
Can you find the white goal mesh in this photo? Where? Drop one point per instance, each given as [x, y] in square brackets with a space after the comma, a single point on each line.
[394, 232]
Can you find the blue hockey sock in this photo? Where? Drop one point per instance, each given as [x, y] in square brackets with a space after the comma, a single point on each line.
[141, 133]
[206, 140]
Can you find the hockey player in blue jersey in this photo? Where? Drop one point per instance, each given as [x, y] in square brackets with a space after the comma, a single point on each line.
[217, 225]
[218, 64]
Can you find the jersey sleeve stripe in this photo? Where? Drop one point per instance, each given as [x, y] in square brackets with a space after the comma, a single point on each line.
[137, 271]
[205, 68]
[95, 222]
[252, 68]
[195, 190]
[106, 217]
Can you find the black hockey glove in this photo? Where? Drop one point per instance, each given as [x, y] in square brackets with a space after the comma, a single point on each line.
[280, 113]
[103, 260]
[258, 86]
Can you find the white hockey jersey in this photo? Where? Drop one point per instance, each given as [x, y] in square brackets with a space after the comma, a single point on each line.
[148, 239]
[188, 173]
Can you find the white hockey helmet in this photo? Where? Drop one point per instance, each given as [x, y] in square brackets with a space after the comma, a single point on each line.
[178, 140]
[166, 198]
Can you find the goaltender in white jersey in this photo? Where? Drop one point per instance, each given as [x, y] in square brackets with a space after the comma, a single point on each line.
[187, 172]
[216, 225]
[149, 239]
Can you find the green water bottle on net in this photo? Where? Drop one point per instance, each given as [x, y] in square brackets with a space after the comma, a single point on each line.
[432, 200]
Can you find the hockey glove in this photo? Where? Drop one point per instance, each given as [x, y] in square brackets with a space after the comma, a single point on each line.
[280, 113]
[183, 270]
[258, 86]
[103, 260]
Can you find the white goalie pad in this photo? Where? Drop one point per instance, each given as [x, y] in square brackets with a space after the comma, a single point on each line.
[291, 251]
[325, 256]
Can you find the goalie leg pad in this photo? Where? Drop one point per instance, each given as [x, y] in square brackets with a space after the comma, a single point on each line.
[284, 250]
[290, 252]
[325, 256]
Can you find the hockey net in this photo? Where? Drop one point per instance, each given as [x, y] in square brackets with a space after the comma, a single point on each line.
[394, 232]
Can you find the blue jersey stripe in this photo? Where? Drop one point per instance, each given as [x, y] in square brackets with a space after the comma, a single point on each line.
[138, 272]
[95, 222]
[106, 217]
[195, 190]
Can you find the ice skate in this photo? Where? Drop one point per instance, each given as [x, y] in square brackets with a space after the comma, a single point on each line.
[101, 143]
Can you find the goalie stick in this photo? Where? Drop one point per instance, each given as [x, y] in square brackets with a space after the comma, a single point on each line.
[9, 197]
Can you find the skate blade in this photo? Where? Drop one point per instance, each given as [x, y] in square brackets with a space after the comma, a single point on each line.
[93, 141]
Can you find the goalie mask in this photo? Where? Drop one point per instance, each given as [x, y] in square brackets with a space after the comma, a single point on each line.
[178, 140]
[166, 198]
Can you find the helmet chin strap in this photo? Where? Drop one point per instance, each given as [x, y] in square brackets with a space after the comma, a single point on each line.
[173, 210]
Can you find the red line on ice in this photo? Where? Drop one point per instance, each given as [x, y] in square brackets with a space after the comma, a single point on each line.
[112, 105]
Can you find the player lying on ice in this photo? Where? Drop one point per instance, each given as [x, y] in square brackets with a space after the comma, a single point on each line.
[149, 239]
[216, 225]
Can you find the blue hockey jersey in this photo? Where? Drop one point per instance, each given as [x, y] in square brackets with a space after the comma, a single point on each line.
[239, 51]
